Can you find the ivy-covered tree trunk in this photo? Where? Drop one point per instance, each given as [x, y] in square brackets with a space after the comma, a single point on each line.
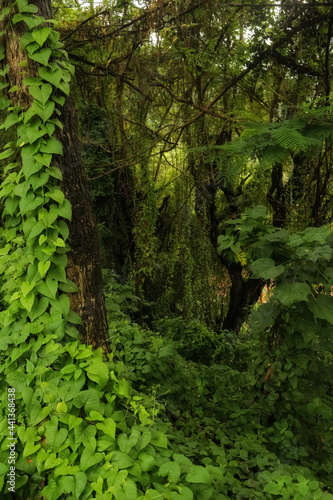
[84, 265]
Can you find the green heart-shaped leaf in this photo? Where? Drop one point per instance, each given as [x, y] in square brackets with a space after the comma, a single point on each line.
[41, 35]
[42, 56]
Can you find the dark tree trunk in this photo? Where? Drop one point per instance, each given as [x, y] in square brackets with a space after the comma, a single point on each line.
[84, 267]
[84, 263]
[243, 292]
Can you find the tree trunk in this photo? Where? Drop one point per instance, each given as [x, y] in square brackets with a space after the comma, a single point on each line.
[84, 265]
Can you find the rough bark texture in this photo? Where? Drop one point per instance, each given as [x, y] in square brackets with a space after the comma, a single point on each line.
[84, 266]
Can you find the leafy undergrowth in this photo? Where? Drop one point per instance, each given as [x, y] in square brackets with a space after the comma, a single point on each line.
[212, 421]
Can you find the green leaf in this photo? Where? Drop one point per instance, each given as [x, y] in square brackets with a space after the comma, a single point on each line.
[89, 399]
[30, 8]
[52, 490]
[48, 288]
[36, 229]
[39, 308]
[98, 371]
[5, 154]
[52, 146]
[30, 81]
[59, 242]
[289, 293]
[126, 443]
[172, 470]
[44, 159]
[80, 483]
[147, 462]
[322, 307]
[41, 35]
[108, 427]
[62, 304]
[30, 448]
[11, 119]
[258, 212]
[88, 459]
[121, 460]
[43, 267]
[28, 301]
[41, 56]
[144, 440]
[53, 77]
[198, 474]
[95, 415]
[42, 93]
[52, 461]
[31, 167]
[265, 268]
[55, 172]
[57, 195]
[26, 287]
[64, 210]
[273, 488]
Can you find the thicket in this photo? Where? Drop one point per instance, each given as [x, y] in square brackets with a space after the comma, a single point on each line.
[178, 412]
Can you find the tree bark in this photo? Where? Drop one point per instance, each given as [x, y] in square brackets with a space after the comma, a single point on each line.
[84, 264]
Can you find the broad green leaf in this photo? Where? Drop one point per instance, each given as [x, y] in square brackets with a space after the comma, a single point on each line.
[96, 415]
[52, 146]
[147, 462]
[11, 119]
[88, 459]
[43, 267]
[159, 439]
[322, 307]
[144, 440]
[31, 448]
[55, 172]
[57, 195]
[36, 229]
[61, 304]
[41, 56]
[97, 371]
[121, 460]
[88, 399]
[26, 287]
[28, 301]
[126, 443]
[44, 159]
[30, 168]
[53, 77]
[39, 308]
[80, 483]
[289, 293]
[108, 427]
[59, 242]
[40, 35]
[29, 8]
[52, 490]
[265, 268]
[198, 474]
[48, 288]
[64, 210]
[256, 212]
[172, 470]
[44, 112]
[30, 81]
[42, 93]
[52, 461]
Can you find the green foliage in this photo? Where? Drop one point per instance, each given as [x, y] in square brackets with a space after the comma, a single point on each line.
[293, 389]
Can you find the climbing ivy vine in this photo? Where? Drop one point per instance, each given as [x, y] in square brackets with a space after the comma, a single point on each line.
[79, 431]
